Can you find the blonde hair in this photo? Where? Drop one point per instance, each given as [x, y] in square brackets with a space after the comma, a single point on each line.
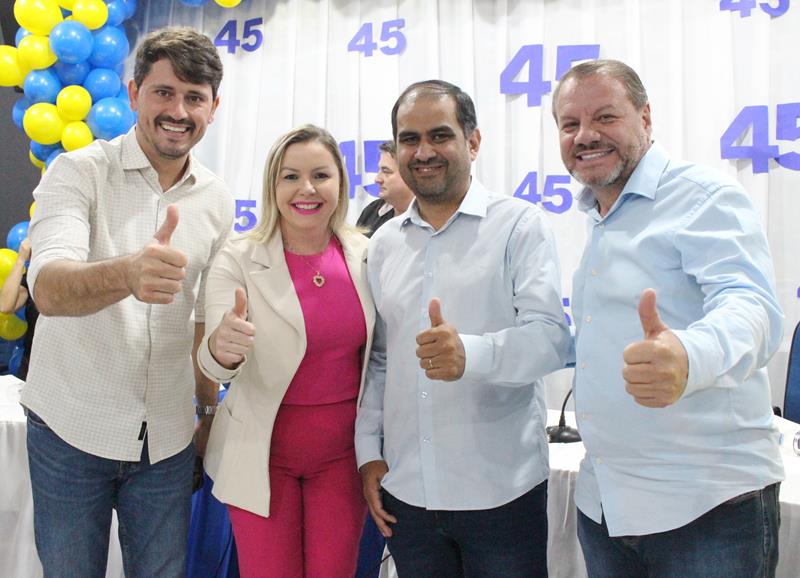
[270, 216]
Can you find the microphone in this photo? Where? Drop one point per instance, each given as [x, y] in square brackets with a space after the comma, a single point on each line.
[562, 433]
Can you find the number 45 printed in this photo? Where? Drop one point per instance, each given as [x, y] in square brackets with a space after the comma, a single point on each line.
[393, 38]
[252, 37]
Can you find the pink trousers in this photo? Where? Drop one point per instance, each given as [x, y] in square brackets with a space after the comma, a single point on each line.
[317, 509]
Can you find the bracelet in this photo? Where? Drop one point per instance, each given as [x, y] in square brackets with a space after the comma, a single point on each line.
[205, 410]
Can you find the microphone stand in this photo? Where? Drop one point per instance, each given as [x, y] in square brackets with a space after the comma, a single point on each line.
[562, 433]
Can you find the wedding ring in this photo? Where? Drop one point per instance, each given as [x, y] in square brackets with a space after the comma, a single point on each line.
[430, 363]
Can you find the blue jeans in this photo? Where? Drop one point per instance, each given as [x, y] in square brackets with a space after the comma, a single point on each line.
[508, 541]
[737, 539]
[73, 496]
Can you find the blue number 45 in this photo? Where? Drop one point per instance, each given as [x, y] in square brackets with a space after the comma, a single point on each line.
[390, 31]
[228, 36]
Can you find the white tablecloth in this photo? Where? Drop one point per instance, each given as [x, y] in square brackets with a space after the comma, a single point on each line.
[18, 552]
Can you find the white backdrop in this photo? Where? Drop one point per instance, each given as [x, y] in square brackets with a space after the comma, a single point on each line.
[342, 63]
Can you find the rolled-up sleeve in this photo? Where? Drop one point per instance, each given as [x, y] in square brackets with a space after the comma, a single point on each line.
[60, 227]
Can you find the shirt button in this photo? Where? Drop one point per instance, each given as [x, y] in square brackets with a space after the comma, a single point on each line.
[599, 461]
[594, 272]
[426, 439]
[588, 319]
[584, 415]
[424, 395]
[583, 365]
[429, 274]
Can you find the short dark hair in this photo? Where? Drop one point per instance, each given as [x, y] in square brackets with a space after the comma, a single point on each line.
[465, 108]
[613, 68]
[193, 56]
[388, 146]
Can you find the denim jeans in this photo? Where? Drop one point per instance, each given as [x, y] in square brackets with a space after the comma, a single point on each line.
[737, 539]
[73, 496]
[508, 541]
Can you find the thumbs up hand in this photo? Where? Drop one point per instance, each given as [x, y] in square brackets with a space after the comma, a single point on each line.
[234, 335]
[440, 349]
[154, 274]
[656, 368]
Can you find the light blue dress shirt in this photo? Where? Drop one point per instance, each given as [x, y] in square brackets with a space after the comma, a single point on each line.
[478, 442]
[694, 236]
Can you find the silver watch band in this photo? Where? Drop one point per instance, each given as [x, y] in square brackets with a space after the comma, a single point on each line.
[205, 409]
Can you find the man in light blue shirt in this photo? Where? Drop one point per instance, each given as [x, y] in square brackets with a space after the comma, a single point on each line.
[450, 434]
[682, 467]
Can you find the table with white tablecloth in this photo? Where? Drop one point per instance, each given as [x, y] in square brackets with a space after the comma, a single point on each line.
[18, 552]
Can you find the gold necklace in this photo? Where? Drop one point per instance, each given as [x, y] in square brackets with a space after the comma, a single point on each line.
[318, 279]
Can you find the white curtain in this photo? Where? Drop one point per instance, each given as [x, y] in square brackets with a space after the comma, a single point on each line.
[701, 63]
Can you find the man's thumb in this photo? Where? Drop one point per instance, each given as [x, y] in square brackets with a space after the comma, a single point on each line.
[240, 306]
[648, 315]
[164, 233]
[435, 312]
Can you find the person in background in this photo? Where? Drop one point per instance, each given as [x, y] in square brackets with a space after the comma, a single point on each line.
[395, 196]
[14, 296]
[450, 434]
[682, 470]
[290, 322]
[123, 237]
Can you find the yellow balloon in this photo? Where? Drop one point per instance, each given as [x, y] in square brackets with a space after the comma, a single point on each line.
[7, 259]
[33, 207]
[36, 162]
[35, 51]
[12, 327]
[91, 13]
[42, 123]
[37, 16]
[44, 169]
[66, 4]
[76, 134]
[12, 70]
[73, 102]
[228, 3]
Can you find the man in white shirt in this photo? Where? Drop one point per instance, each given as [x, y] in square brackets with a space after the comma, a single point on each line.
[450, 435]
[680, 478]
[123, 236]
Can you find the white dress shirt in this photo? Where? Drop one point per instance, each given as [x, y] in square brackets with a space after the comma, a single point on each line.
[94, 379]
[478, 442]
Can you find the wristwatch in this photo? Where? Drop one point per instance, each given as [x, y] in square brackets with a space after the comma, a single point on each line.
[205, 410]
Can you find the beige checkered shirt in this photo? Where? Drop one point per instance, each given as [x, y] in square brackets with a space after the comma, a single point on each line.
[95, 379]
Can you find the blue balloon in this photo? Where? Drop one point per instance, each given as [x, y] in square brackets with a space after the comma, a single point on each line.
[18, 112]
[194, 2]
[123, 93]
[42, 86]
[130, 7]
[17, 235]
[110, 118]
[102, 83]
[72, 73]
[117, 12]
[52, 156]
[41, 151]
[21, 311]
[71, 41]
[15, 360]
[21, 33]
[110, 47]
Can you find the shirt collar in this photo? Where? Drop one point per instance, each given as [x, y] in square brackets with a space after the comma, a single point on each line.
[643, 181]
[133, 158]
[474, 203]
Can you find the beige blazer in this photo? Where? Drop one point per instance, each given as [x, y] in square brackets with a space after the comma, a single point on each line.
[237, 456]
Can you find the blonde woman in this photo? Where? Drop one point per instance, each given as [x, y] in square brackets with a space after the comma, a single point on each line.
[289, 321]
